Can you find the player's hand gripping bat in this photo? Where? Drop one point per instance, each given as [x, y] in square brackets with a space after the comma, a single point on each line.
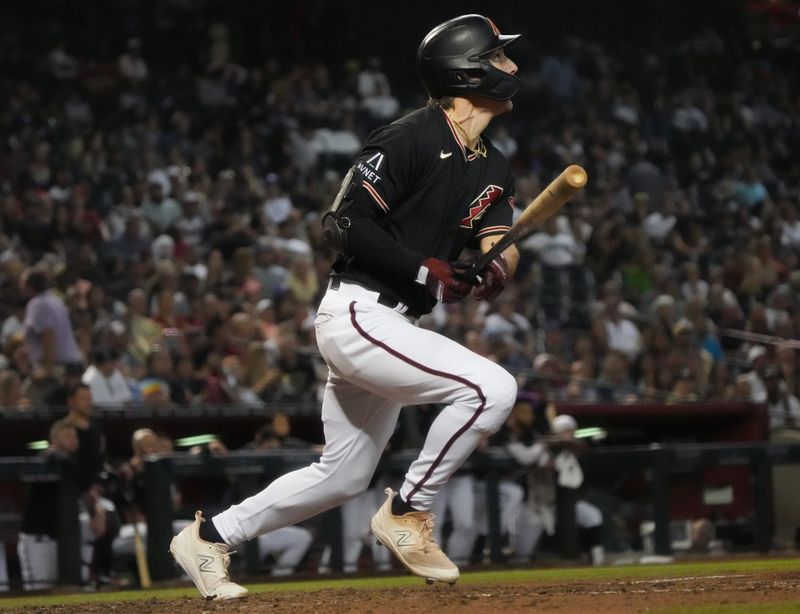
[560, 190]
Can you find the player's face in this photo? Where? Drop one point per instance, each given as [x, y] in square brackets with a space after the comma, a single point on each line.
[501, 61]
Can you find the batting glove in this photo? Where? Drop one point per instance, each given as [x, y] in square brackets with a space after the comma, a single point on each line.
[440, 279]
[494, 278]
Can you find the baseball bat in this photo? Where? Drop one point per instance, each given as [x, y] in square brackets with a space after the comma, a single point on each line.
[141, 559]
[550, 200]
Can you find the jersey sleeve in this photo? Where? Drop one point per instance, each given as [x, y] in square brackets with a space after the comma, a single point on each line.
[498, 217]
[383, 176]
[387, 167]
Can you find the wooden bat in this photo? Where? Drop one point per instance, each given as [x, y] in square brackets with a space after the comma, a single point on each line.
[551, 199]
[141, 559]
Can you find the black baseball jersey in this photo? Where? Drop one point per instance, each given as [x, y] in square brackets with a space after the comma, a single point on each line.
[416, 183]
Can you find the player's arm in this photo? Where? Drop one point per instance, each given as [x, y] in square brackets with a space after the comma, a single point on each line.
[385, 172]
[368, 241]
[494, 224]
[510, 255]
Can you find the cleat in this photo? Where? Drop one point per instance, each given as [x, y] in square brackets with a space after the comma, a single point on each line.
[205, 563]
[410, 538]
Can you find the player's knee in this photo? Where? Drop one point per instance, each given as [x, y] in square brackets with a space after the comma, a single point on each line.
[357, 482]
[588, 515]
[305, 538]
[500, 391]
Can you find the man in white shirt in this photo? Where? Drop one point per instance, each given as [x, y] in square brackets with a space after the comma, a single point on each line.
[106, 382]
[555, 248]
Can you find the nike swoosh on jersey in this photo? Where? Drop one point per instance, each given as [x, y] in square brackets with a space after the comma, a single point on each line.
[445, 154]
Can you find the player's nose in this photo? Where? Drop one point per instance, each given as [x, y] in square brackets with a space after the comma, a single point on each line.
[511, 66]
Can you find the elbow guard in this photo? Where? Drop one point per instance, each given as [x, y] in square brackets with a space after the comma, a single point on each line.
[335, 223]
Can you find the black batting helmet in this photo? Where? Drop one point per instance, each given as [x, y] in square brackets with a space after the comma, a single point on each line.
[453, 59]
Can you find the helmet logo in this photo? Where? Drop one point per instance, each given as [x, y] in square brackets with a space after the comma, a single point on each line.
[495, 29]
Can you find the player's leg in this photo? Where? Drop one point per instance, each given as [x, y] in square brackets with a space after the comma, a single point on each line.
[462, 513]
[439, 510]
[511, 501]
[38, 560]
[353, 526]
[4, 587]
[357, 425]
[380, 555]
[287, 546]
[123, 544]
[589, 518]
[393, 358]
[528, 531]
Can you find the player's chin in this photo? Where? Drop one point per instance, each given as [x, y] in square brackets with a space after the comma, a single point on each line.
[502, 106]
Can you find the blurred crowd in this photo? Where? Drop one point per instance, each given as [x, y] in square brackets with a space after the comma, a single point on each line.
[160, 245]
[160, 236]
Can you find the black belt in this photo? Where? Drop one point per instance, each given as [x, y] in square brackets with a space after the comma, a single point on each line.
[383, 299]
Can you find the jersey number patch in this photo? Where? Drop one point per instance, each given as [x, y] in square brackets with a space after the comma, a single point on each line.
[479, 206]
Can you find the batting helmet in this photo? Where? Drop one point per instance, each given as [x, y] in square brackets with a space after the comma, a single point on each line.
[453, 59]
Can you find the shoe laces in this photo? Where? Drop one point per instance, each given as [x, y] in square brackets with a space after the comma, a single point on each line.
[427, 541]
[221, 553]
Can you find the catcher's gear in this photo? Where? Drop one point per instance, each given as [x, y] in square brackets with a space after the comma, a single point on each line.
[453, 59]
[441, 279]
[493, 279]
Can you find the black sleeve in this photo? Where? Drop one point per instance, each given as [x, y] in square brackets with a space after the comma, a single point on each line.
[499, 216]
[369, 242]
[387, 170]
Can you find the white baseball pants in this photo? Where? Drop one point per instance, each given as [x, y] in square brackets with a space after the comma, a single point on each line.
[356, 514]
[457, 497]
[379, 360]
[530, 528]
[287, 545]
[38, 561]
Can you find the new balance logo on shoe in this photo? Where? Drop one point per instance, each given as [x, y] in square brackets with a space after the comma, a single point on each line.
[404, 538]
[206, 563]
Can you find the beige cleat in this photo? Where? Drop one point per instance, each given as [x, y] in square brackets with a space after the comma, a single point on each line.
[410, 537]
[206, 563]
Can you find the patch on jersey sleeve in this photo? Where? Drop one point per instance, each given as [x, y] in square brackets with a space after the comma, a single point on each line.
[370, 166]
[479, 206]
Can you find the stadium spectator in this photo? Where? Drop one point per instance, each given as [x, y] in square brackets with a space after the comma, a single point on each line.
[49, 338]
[783, 406]
[154, 387]
[106, 382]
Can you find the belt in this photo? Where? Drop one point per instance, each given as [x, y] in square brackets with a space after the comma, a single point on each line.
[358, 291]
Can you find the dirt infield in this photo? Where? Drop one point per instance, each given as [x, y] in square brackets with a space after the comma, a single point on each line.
[577, 596]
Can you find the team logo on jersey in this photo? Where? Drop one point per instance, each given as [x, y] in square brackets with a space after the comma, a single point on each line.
[479, 206]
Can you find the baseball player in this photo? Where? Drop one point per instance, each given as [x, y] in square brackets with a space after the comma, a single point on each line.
[422, 190]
